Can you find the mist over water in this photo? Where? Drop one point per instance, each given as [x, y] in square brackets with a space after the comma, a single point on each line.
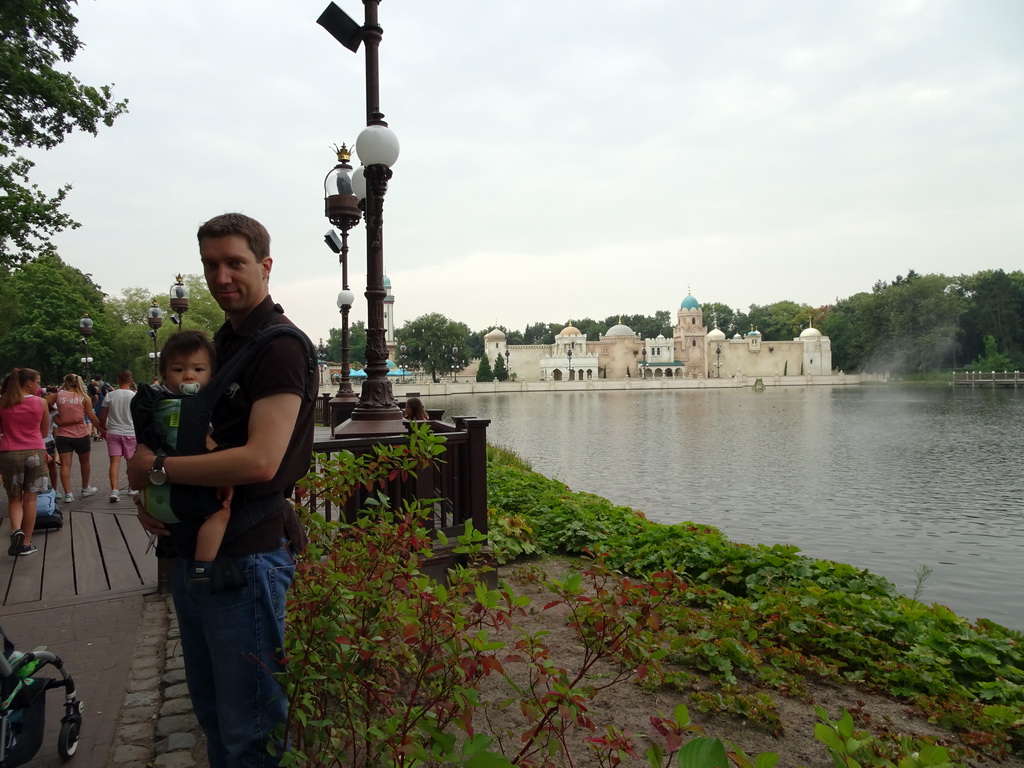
[884, 478]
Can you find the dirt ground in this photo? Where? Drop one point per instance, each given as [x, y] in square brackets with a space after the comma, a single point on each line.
[630, 707]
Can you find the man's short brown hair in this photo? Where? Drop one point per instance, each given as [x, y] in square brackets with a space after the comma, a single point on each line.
[228, 224]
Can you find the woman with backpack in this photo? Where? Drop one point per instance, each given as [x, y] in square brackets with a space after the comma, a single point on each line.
[24, 420]
[73, 406]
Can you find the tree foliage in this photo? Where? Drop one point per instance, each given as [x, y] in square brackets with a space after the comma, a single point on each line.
[500, 369]
[43, 303]
[356, 343]
[430, 340]
[484, 372]
[41, 106]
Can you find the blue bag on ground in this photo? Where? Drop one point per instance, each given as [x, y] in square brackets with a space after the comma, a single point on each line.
[48, 514]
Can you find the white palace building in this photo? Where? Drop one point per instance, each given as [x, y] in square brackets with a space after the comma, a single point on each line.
[693, 352]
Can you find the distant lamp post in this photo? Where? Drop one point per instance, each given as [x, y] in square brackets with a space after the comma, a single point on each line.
[155, 318]
[377, 413]
[85, 328]
[455, 364]
[321, 358]
[568, 353]
[179, 302]
[508, 366]
[718, 361]
[341, 207]
[643, 363]
[403, 354]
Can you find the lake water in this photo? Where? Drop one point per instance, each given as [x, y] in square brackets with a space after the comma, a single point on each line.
[884, 478]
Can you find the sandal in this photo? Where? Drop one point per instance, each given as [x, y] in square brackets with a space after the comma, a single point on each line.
[16, 538]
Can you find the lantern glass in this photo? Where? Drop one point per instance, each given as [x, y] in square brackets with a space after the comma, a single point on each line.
[359, 184]
[377, 145]
[345, 298]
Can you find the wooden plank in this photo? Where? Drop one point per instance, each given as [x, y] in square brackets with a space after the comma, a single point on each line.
[138, 541]
[90, 576]
[27, 579]
[59, 566]
[121, 571]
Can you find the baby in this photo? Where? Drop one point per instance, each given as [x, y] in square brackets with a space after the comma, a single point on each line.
[186, 366]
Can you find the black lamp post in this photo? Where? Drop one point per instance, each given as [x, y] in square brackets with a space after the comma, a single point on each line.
[155, 318]
[508, 366]
[643, 363]
[179, 302]
[718, 361]
[568, 352]
[341, 207]
[377, 413]
[403, 353]
[85, 328]
[455, 364]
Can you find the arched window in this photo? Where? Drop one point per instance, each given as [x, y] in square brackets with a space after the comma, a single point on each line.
[693, 343]
[693, 321]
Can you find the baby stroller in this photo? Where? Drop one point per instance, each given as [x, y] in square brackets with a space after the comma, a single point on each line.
[23, 705]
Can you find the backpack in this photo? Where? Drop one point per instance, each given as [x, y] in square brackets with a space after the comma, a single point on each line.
[195, 413]
[48, 514]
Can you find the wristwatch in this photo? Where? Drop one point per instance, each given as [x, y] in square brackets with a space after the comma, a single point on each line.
[158, 475]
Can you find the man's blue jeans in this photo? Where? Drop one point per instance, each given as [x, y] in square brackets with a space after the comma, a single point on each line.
[232, 645]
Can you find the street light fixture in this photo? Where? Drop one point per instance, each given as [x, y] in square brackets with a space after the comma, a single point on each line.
[508, 366]
[718, 361]
[568, 352]
[403, 353]
[377, 413]
[85, 328]
[155, 318]
[179, 302]
[455, 364]
[341, 207]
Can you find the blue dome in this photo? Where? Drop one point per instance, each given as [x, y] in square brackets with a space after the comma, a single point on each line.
[387, 281]
[690, 303]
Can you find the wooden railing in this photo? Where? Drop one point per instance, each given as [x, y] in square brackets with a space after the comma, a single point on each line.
[457, 481]
[989, 378]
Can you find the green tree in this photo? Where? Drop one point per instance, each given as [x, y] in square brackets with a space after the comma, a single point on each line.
[430, 339]
[723, 315]
[500, 371]
[43, 302]
[40, 107]
[993, 359]
[997, 309]
[484, 372]
[356, 343]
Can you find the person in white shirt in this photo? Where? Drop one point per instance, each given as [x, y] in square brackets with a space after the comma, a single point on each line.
[116, 419]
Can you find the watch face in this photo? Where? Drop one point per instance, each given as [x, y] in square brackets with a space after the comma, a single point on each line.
[157, 476]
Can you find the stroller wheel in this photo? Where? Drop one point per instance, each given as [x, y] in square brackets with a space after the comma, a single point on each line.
[67, 742]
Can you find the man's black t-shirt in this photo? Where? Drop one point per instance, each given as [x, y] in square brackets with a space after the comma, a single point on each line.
[280, 367]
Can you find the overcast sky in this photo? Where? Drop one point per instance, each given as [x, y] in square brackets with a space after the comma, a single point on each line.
[561, 158]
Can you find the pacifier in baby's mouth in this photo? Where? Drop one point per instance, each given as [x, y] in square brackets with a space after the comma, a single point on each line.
[190, 388]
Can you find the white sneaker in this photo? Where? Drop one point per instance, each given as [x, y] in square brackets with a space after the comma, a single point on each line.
[89, 491]
[115, 496]
[68, 498]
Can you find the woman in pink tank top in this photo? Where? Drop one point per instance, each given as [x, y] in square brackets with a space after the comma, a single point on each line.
[24, 420]
[73, 406]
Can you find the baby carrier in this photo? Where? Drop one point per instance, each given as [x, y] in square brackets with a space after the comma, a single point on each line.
[23, 705]
[191, 415]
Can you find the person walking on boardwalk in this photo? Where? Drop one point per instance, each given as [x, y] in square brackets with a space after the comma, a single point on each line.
[73, 407]
[24, 420]
[233, 641]
[116, 420]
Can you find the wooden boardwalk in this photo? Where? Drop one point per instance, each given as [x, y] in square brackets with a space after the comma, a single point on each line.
[99, 553]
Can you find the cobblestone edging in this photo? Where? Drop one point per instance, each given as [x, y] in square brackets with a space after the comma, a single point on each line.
[156, 727]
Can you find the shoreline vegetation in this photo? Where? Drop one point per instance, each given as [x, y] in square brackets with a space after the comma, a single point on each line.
[634, 625]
